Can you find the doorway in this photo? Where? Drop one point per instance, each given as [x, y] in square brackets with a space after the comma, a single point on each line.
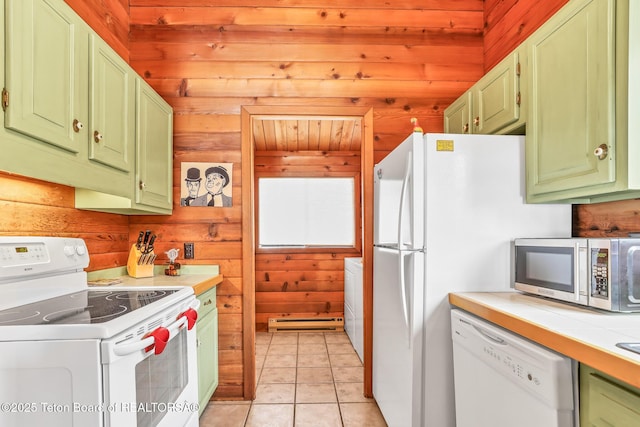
[251, 117]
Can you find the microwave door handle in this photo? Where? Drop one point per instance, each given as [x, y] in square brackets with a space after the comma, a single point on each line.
[630, 282]
[403, 194]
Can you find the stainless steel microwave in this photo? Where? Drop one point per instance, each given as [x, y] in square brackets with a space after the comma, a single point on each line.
[603, 273]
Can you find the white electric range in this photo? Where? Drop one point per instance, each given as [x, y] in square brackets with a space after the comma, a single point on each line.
[99, 356]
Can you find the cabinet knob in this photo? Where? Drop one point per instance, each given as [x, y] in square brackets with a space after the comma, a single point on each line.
[465, 128]
[601, 152]
[142, 185]
[97, 136]
[476, 121]
[77, 125]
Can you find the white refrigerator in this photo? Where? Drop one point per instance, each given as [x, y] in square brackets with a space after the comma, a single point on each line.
[447, 208]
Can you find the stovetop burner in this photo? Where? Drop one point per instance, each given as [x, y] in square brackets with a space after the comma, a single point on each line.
[84, 307]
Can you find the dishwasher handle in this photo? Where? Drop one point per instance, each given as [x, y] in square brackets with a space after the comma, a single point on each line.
[494, 339]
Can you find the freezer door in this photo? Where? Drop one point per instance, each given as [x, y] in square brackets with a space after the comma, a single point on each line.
[397, 335]
[399, 196]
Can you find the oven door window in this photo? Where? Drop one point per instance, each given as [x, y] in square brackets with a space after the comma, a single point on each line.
[160, 379]
[546, 267]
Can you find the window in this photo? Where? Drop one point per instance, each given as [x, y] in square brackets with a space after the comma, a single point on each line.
[303, 212]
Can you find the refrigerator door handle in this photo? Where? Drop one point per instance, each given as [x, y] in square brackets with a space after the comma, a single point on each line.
[403, 193]
[403, 295]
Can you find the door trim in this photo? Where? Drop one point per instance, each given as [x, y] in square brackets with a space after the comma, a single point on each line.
[248, 229]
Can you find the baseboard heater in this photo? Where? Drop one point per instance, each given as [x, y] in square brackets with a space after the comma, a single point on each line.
[288, 324]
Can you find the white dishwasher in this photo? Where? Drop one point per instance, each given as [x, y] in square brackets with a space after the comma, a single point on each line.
[504, 380]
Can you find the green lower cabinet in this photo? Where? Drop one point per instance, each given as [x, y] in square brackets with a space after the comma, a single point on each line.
[207, 344]
[605, 401]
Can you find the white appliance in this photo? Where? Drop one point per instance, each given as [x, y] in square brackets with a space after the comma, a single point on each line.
[502, 379]
[447, 208]
[353, 309]
[600, 273]
[99, 356]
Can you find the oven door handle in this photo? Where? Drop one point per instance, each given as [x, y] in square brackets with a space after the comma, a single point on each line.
[148, 342]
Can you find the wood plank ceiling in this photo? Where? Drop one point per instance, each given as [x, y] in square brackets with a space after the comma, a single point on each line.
[306, 133]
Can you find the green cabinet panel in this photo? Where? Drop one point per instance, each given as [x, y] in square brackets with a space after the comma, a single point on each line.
[112, 107]
[154, 148]
[496, 97]
[582, 145]
[46, 72]
[457, 116]
[607, 402]
[77, 114]
[571, 60]
[207, 344]
[493, 104]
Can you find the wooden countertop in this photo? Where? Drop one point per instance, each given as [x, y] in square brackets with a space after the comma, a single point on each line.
[586, 335]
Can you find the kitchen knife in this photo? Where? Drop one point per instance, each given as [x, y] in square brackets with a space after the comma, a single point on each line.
[149, 248]
[146, 240]
[139, 242]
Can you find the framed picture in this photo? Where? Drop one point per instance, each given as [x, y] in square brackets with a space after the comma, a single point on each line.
[206, 184]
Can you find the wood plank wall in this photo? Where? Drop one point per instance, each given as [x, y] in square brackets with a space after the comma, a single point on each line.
[30, 207]
[302, 283]
[210, 57]
[109, 18]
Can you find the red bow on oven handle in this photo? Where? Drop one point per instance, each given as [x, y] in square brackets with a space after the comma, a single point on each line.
[160, 338]
[191, 315]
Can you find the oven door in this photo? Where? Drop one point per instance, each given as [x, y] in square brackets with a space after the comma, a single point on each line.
[555, 268]
[152, 381]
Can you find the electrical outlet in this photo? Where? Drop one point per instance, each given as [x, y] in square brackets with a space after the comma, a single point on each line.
[188, 251]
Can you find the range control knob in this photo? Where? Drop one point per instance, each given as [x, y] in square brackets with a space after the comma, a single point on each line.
[81, 250]
[69, 251]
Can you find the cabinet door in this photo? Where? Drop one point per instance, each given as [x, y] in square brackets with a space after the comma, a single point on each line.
[457, 116]
[571, 95]
[496, 97]
[112, 100]
[605, 403]
[207, 337]
[46, 72]
[154, 148]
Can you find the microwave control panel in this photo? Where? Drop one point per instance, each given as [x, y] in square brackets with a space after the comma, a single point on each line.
[600, 273]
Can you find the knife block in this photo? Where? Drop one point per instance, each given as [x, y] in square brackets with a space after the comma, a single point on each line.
[136, 270]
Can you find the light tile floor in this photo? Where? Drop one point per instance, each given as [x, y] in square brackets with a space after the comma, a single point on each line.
[303, 379]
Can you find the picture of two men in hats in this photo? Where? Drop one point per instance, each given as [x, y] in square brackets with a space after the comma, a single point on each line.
[217, 178]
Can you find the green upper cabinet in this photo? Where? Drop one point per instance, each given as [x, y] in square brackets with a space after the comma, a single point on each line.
[457, 116]
[112, 107]
[572, 99]
[76, 114]
[493, 104]
[496, 97]
[154, 148]
[46, 73]
[580, 112]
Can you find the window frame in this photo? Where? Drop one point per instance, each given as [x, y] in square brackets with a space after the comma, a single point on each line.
[357, 190]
